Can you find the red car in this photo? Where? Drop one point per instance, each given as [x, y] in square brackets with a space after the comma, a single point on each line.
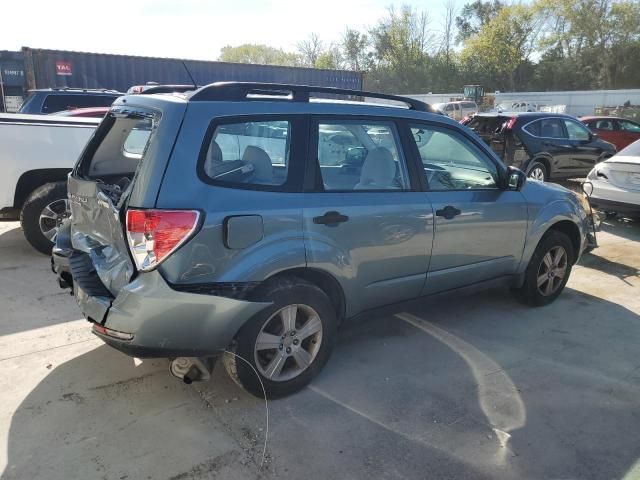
[92, 112]
[619, 131]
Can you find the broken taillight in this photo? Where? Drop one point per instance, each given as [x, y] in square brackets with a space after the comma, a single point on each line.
[511, 123]
[154, 234]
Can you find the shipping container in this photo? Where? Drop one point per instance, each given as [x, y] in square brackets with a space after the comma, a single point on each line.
[58, 68]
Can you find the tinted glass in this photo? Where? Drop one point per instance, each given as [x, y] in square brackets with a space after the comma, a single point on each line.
[547, 128]
[57, 103]
[451, 162]
[355, 155]
[255, 153]
[576, 130]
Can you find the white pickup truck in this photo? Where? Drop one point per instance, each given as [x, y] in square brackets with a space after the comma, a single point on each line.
[36, 154]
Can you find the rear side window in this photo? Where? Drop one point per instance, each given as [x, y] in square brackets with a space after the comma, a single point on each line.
[602, 124]
[252, 152]
[360, 156]
[58, 103]
[547, 128]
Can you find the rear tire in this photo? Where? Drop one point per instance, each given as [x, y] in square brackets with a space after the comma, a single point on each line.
[543, 283]
[298, 307]
[42, 214]
[538, 171]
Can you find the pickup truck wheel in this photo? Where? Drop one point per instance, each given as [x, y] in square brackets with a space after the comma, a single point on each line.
[43, 213]
[548, 270]
[287, 343]
[538, 171]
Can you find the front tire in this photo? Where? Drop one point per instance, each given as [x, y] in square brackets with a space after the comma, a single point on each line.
[548, 270]
[43, 213]
[287, 343]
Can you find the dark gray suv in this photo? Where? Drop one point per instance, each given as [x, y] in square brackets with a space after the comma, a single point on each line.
[253, 218]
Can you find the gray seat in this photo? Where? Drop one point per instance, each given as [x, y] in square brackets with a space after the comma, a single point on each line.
[262, 166]
[378, 171]
[213, 162]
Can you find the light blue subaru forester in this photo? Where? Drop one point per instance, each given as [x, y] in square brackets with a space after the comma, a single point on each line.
[254, 218]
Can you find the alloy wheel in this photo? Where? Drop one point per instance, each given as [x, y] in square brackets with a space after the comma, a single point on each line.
[288, 342]
[552, 271]
[537, 174]
[52, 216]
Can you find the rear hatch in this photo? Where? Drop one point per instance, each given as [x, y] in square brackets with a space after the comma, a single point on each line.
[492, 130]
[98, 191]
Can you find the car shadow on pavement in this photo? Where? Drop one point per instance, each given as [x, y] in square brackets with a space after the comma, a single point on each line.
[484, 388]
[621, 227]
[620, 270]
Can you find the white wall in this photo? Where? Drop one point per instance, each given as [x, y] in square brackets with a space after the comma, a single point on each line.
[581, 102]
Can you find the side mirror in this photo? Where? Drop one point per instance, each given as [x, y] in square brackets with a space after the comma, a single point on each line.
[516, 178]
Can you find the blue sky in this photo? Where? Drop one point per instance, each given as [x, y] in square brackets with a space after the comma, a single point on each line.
[195, 29]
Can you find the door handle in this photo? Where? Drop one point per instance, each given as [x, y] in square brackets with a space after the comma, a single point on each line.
[330, 218]
[448, 212]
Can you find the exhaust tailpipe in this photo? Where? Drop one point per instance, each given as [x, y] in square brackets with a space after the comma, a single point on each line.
[192, 369]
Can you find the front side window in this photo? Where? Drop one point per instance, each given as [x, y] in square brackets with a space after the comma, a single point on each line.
[629, 126]
[253, 152]
[356, 155]
[450, 162]
[576, 130]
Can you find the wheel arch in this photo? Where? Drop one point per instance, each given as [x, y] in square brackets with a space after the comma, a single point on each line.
[571, 230]
[544, 160]
[33, 179]
[324, 281]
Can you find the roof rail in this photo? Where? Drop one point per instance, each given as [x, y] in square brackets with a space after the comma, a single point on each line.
[168, 89]
[240, 91]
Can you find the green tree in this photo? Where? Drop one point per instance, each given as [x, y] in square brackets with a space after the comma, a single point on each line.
[473, 16]
[499, 54]
[355, 48]
[401, 41]
[258, 54]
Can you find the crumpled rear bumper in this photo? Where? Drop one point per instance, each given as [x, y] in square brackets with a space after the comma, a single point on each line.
[147, 318]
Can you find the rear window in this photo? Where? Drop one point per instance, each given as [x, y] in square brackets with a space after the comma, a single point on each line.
[253, 153]
[123, 141]
[58, 103]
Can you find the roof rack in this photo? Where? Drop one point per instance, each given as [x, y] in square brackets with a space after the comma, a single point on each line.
[242, 91]
[81, 89]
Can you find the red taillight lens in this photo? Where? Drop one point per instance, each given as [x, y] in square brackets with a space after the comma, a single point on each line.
[511, 123]
[154, 234]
